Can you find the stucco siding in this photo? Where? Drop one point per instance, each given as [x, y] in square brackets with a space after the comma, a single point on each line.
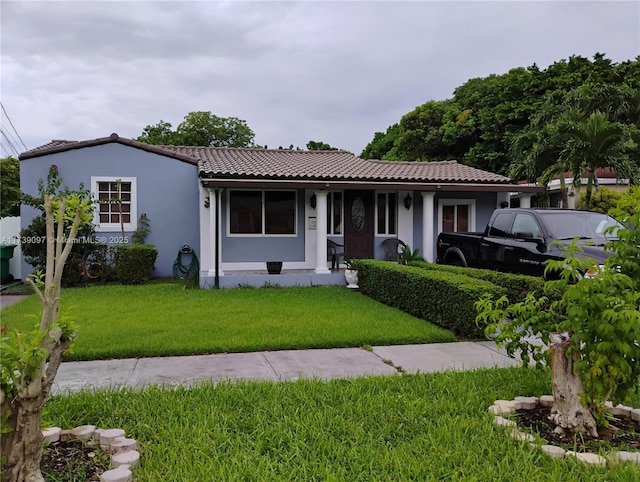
[167, 192]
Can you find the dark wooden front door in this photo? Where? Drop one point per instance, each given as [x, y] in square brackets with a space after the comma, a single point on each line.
[358, 224]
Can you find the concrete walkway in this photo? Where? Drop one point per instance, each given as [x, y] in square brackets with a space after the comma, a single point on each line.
[279, 365]
[275, 365]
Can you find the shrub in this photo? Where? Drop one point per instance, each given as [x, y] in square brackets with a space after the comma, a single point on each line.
[516, 285]
[601, 201]
[134, 263]
[445, 299]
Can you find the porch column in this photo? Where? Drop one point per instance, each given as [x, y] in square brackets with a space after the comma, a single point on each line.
[206, 260]
[321, 232]
[428, 213]
[214, 233]
[525, 200]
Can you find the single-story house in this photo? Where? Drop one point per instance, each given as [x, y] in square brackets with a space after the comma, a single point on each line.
[239, 208]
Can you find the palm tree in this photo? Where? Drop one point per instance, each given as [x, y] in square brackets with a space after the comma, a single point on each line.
[535, 153]
[591, 142]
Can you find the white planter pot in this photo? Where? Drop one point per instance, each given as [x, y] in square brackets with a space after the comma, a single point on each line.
[351, 275]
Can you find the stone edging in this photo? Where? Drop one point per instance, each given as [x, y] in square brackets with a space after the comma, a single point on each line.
[111, 441]
[508, 407]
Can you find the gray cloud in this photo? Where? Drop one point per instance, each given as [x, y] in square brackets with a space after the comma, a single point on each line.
[295, 71]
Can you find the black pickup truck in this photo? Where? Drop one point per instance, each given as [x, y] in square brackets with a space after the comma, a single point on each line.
[520, 240]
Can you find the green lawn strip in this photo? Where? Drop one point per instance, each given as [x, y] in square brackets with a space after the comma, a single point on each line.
[164, 320]
[409, 427]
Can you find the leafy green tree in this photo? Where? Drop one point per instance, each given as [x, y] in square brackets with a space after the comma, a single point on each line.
[320, 146]
[382, 144]
[592, 330]
[9, 187]
[200, 129]
[30, 361]
[483, 119]
[159, 135]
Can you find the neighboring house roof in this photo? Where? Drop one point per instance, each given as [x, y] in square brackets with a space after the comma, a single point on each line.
[227, 166]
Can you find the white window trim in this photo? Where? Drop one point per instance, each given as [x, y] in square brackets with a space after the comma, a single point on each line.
[111, 227]
[264, 217]
[458, 202]
[386, 234]
[330, 215]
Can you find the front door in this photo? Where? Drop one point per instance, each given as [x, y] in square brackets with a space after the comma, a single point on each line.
[358, 226]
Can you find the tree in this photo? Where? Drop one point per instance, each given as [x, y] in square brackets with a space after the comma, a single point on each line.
[320, 146]
[593, 142]
[200, 129]
[592, 329]
[9, 187]
[479, 124]
[159, 135]
[30, 361]
[35, 251]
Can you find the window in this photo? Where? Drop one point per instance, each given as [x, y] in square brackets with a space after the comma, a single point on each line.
[386, 213]
[116, 203]
[524, 226]
[457, 215]
[334, 213]
[262, 212]
[501, 225]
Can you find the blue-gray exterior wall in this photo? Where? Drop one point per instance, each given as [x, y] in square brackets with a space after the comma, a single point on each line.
[167, 191]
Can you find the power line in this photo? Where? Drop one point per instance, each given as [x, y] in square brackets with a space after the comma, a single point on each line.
[10, 143]
[14, 129]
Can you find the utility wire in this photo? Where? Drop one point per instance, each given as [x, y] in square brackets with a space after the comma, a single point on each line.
[6, 131]
[10, 143]
[14, 129]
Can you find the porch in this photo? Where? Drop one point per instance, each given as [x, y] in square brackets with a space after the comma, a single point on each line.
[287, 277]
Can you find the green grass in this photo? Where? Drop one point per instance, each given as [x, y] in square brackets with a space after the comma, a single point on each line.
[165, 319]
[407, 427]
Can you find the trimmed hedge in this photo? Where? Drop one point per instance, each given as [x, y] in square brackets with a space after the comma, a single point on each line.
[517, 286]
[134, 263]
[445, 299]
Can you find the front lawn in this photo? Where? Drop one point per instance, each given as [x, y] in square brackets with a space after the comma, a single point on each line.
[429, 427]
[165, 320]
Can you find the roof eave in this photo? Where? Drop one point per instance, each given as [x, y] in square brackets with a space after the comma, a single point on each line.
[254, 183]
[113, 138]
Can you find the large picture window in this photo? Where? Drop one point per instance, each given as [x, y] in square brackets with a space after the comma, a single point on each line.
[386, 213]
[262, 212]
[334, 213]
[457, 215]
[116, 206]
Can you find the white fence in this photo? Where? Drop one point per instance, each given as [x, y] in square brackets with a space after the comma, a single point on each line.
[10, 234]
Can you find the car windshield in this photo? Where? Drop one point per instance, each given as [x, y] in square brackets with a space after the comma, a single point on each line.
[579, 224]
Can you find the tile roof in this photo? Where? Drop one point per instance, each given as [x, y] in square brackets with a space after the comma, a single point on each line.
[325, 165]
[290, 165]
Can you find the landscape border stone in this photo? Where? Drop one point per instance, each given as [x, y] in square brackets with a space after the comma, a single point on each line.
[509, 407]
[123, 450]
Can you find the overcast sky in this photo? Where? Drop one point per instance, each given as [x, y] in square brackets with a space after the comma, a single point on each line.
[331, 71]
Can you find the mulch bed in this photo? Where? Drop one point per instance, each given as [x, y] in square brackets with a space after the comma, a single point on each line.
[73, 461]
[622, 433]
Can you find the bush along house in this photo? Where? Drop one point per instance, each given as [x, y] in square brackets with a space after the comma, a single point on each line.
[239, 209]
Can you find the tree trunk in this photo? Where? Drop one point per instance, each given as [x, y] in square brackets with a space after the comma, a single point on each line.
[22, 447]
[567, 412]
[587, 194]
[564, 199]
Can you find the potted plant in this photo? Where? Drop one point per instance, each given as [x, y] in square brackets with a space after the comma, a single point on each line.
[274, 267]
[351, 274]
